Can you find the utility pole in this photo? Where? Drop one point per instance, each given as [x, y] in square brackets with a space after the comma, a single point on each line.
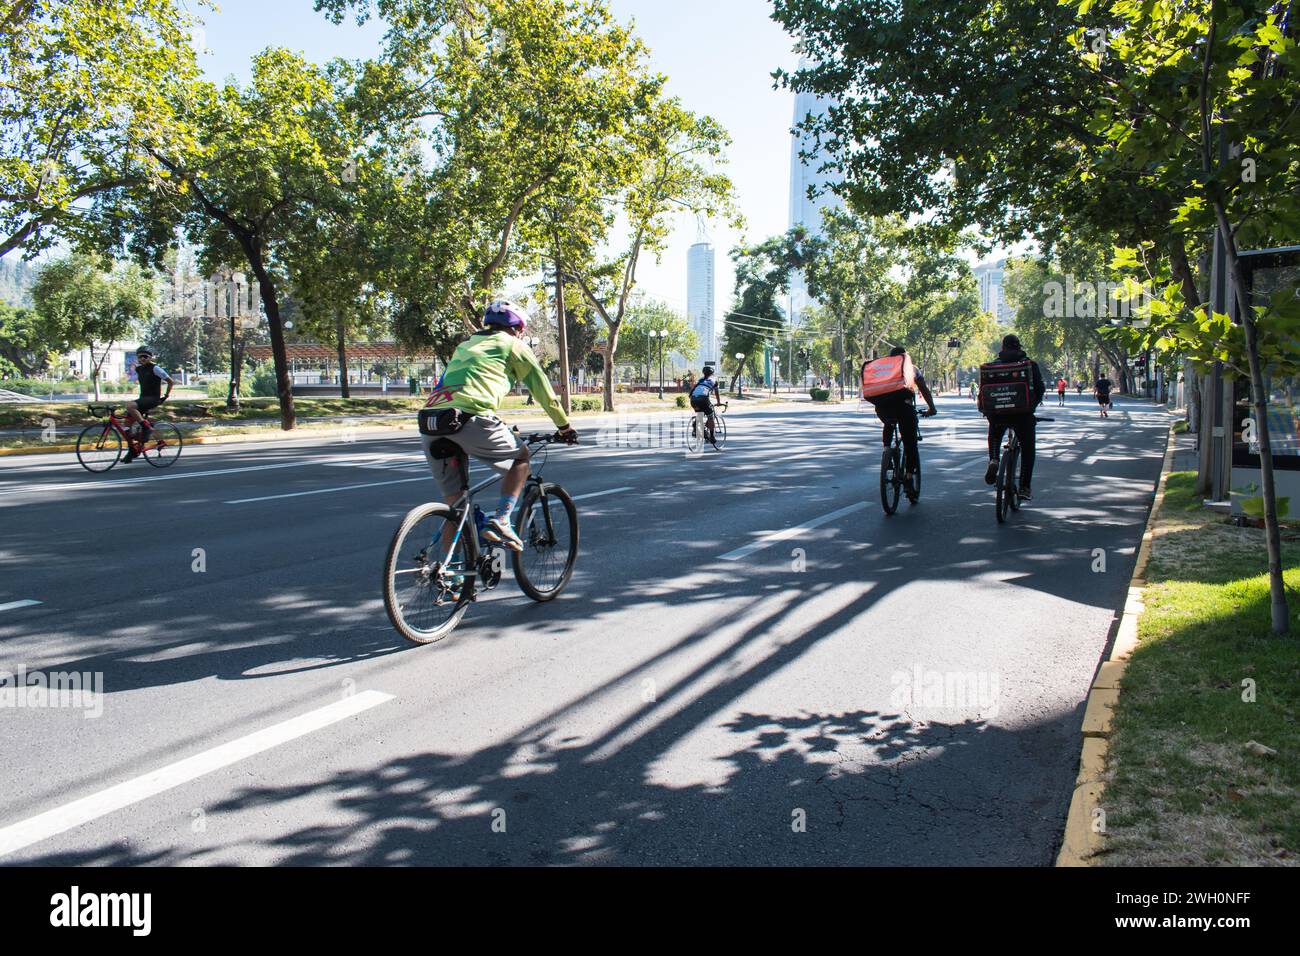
[563, 325]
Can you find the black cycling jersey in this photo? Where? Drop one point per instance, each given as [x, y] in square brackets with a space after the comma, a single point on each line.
[150, 382]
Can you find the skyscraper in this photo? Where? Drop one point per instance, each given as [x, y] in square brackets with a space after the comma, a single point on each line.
[807, 174]
[989, 278]
[699, 300]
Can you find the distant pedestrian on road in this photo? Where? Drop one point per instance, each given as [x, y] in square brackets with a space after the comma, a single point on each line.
[1061, 385]
[1101, 388]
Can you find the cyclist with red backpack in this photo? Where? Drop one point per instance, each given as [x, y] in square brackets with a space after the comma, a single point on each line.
[1010, 389]
[891, 384]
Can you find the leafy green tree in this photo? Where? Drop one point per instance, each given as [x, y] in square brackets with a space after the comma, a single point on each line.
[24, 350]
[638, 347]
[82, 306]
[86, 83]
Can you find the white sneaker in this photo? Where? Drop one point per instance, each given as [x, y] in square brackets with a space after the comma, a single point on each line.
[498, 531]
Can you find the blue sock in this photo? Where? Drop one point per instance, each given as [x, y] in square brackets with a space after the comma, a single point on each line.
[506, 506]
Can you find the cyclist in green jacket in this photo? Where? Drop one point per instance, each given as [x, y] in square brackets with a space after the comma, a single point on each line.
[480, 374]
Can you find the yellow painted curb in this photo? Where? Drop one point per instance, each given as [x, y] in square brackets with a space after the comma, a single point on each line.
[1083, 839]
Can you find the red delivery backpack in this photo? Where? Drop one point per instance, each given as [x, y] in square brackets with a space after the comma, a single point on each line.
[1005, 388]
[889, 374]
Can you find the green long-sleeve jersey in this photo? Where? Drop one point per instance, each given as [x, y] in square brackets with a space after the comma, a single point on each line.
[485, 367]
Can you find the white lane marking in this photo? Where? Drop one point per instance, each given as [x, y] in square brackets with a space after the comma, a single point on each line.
[26, 602]
[771, 539]
[96, 486]
[325, 491]
[79, 812]
[597, 494]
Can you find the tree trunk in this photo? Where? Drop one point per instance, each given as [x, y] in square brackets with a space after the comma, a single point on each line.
[341, 345]
[562, 330]
[271, 303]
[611, 345]
[1259, 402]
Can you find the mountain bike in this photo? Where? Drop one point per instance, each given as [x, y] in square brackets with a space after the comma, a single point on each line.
[438, 563]
[99, 446]
[716, 435]
[1007, 485]
[894, 482]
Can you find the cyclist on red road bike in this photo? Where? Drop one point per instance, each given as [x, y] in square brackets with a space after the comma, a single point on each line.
[150, 378]
[898, 409]
[480, 374]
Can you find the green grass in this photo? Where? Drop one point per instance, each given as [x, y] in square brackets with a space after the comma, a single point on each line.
[1183, 788]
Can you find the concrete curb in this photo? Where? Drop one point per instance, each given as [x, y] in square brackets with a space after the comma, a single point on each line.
[1082, 840]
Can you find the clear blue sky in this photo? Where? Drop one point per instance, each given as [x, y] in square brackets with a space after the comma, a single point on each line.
[718, 55]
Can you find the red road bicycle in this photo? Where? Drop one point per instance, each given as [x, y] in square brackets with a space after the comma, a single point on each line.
[99, 446]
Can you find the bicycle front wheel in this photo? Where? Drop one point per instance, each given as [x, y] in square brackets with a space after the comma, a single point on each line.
[1004, 490]
[429, 573]
[890, 480]
[164, 445]
[98, 447]
[547, 524]
[914, 487]
[719, 431]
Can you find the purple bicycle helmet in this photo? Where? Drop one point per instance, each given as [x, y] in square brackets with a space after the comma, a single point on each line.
[507, 313]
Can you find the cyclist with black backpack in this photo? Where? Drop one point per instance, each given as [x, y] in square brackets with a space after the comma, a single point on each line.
[1010, 389]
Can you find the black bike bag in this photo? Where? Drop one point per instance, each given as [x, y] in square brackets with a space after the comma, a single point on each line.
[441, 421]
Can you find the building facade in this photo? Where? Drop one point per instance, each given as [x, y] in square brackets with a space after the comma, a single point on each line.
[989, 278]
[700, 304]
[807, 176]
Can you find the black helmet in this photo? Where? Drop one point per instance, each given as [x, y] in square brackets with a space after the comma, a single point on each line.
[897, 350]
[708, 370]
[144, 352]
[1011, 341]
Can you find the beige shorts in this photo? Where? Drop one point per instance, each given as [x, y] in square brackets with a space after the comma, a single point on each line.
[484, 437]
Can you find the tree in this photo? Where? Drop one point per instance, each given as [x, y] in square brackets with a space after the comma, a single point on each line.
[24, 350]
[763, 274]
[85, 83]
[638, 347]
[270, 157]
[668, 150]
[1185, 81]
[82, 306]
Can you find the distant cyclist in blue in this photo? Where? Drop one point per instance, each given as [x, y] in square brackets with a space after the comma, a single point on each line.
[704, 393]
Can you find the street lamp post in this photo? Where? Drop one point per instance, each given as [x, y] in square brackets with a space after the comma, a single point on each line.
[740, 375]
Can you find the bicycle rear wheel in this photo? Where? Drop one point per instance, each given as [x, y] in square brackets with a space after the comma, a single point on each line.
[98, 447]
[890, 479]
[547, 524]
[164, 445]
[425, 592]
[694, 434]
[1006, 490]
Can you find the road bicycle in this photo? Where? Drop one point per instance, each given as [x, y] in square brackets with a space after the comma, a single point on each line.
[99, 446]
[716, 435]
[438, 563]
[894, 481]
[1007, 485]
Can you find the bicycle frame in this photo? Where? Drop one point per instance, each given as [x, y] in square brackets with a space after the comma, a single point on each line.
[467, 496]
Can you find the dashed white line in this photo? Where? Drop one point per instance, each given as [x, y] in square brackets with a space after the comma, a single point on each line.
[325, 491]
[770, 539]
[12, 605]
[597, 494]
[79, 812]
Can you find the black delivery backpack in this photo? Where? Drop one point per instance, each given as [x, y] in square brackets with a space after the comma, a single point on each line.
[1005, 388]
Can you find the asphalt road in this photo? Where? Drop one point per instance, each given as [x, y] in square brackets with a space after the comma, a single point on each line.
[752, 665]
